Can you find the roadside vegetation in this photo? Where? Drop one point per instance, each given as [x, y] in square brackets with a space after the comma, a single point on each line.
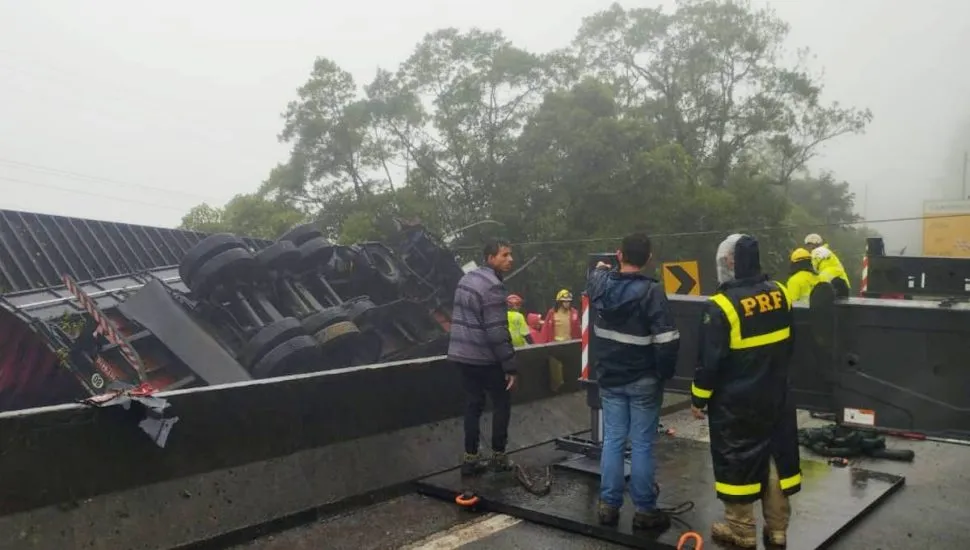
[688, 124]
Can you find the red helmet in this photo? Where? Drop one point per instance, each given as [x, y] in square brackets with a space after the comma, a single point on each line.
[514, 300]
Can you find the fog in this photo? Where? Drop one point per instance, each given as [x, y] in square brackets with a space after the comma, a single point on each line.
[135, 112]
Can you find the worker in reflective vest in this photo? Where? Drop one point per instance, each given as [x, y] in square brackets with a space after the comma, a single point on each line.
[518, 329]
[741, 379]
[803, 277]
[827, 265]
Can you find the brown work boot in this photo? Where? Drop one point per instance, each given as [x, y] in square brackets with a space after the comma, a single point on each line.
[472, 465]
[608, 515]
[775, 539]
[650, 521]
[742, 537]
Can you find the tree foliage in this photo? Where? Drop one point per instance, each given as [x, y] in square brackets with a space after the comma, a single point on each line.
[688, 124]
[248, 215]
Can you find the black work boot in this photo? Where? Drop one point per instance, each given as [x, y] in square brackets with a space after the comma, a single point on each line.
[608, 515]
[500, 462]
[654, 520]
[472, 465]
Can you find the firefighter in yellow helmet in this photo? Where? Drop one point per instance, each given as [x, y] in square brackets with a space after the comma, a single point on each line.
[827, 265]
[562, 321]
[803, 277]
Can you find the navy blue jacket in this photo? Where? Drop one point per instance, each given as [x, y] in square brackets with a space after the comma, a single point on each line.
[633, 333]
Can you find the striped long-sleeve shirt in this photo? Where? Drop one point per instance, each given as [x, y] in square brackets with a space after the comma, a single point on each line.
[479, 322]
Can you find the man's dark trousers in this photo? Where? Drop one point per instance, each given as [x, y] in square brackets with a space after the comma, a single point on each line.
[479, 380]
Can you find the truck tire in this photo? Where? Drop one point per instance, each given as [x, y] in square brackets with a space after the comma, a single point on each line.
[337, 331]
[282, 256]
[268, 338]
[301, 234]
[294, 356]
[355, 307]
[233, 264]
[205, 250]
[384, 263]
[315, 253]
[320, 320]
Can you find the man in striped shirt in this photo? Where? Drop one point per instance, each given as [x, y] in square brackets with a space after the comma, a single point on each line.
[634, 353]
[481, 347]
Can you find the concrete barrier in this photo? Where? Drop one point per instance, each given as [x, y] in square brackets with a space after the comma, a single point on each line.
[240, 454]
[247, 453]
[250, 452]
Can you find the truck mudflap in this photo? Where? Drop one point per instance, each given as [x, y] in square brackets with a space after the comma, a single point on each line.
[153, 307]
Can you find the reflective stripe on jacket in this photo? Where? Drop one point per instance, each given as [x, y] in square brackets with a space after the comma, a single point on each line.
[746, 343]
[633, 333]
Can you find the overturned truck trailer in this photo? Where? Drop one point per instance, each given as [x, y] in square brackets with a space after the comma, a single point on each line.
[88, 305]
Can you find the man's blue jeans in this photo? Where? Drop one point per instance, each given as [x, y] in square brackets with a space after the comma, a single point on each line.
[630, 411]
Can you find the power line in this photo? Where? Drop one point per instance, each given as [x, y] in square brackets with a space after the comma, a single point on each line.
[121, 198]
[118, 101]
[726, 231]
[78, 175]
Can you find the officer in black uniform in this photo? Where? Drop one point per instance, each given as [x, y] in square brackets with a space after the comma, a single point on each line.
[742, 380]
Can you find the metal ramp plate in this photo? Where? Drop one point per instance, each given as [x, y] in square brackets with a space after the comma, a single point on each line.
[832, 498]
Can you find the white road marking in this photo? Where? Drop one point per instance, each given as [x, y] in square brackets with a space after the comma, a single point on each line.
[466, 533]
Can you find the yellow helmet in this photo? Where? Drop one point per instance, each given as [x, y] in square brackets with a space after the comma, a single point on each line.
[800, 254]
[564, 296]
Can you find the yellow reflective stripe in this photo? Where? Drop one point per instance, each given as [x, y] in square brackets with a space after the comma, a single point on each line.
[732, 316]
[734, 321]
[763, 340]
[784, 291]
[789, 482]
[737, 490]
[700, 392]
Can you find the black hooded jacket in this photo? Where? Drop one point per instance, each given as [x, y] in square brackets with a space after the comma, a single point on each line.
[745, 346]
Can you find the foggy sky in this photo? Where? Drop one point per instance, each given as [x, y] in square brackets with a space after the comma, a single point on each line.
[164, 105]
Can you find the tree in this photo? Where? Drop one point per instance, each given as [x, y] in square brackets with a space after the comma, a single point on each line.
[685, 124]
[825, 199]
[334, 150]
[710, 75]
[246, 215]
[469, 93]
[203, 218]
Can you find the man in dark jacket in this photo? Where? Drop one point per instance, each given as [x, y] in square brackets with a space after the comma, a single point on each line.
[481, 347]
[746, 344]
[634, 353]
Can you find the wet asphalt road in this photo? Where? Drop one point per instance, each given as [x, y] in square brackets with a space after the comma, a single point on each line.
[931, 511]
